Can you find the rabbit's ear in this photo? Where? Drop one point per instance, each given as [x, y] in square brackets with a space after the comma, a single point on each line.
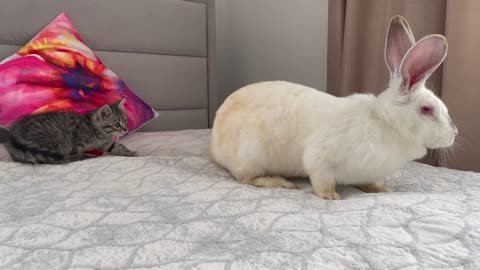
[399, 40]
[422, 60]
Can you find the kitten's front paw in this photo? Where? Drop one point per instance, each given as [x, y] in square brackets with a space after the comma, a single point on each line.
[131, 154]
[121, 150]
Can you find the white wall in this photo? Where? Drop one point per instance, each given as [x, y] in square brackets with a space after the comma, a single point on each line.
[261, 40]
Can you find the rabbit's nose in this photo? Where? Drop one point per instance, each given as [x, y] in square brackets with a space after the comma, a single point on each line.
[455, 130]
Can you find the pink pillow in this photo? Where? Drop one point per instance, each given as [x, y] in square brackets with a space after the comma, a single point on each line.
[57, 71]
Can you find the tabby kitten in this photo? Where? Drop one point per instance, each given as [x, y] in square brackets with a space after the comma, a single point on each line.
[62, 137]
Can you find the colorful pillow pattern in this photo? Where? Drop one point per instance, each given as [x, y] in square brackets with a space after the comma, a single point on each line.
[57, 71]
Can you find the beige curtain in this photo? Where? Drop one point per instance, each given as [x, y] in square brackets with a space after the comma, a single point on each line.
[356, 64]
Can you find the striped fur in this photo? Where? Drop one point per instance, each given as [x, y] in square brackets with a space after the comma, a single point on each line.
[62, 137]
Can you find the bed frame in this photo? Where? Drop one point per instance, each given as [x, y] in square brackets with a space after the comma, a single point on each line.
[163, 49]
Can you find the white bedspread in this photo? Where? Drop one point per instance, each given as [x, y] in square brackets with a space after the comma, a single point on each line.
[171, 208]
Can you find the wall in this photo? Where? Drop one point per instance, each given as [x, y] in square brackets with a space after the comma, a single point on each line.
[261, 40]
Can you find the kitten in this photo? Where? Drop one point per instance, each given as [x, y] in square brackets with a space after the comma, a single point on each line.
[62, 137]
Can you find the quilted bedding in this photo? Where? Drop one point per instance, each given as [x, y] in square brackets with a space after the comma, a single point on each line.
[171, 208]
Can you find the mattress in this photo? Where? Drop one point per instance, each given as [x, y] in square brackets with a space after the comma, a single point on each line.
[172, 208]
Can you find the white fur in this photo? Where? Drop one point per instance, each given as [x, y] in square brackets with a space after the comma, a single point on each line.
[285, 129]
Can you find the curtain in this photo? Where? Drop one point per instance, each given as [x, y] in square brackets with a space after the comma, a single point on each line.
[356, 41]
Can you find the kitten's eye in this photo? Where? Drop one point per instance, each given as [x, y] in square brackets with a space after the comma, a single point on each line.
[118, 125]
[427, 110]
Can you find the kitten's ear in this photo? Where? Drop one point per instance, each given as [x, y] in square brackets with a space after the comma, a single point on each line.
[121, 103]
[102, 113]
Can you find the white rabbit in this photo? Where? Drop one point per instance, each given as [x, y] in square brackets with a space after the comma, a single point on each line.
[271, 130]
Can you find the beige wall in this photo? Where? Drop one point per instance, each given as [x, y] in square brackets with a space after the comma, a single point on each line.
[271, 40]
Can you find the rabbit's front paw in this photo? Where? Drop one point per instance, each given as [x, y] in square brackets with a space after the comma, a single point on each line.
[273, 182]
[324, 186]
[373, 188]
[329, 195]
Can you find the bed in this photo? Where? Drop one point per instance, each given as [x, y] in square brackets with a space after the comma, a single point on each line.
[172, 208]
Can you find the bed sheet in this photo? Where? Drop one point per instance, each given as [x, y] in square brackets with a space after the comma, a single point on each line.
[172, 208]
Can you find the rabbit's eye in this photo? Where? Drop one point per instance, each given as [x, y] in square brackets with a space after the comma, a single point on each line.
[427, 110]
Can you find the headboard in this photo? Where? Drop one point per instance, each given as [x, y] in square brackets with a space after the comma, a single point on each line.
[163, 49]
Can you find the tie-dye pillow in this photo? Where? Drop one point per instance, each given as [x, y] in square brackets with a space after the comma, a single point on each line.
[57, 71]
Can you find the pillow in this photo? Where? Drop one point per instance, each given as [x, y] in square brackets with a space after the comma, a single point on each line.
[57, 71]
